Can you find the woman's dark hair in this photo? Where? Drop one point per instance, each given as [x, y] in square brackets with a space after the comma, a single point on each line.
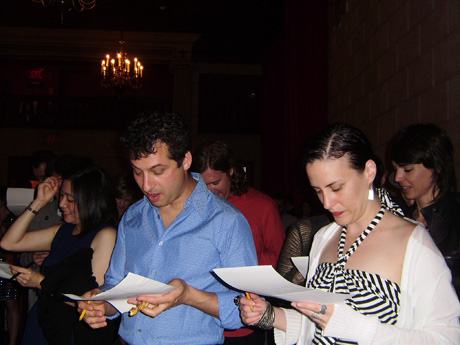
[94, 198]
[218, 156]
[427, 144]
[126, 187]
[338, 140]
[152, 128]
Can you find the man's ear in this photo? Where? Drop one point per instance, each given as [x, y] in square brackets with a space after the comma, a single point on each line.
[187, 162]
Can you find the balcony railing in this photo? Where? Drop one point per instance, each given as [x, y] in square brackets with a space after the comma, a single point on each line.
[100, 113]
[104, 113]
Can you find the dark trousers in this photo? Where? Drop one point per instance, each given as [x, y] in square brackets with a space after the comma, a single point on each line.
[258, 337]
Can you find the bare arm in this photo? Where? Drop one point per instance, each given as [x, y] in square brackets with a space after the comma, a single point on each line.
[17, 239]
[102, 245]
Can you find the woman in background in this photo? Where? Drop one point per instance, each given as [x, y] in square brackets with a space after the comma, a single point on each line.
[127, 192]
[9, 290]
[423, 159]
[80, 251]
[399, 284]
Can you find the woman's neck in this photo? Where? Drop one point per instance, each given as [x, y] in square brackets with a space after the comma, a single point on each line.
[77, 229]
[427, 199]
[357, 227]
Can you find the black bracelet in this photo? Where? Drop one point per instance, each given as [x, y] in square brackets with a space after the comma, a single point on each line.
[32, 210]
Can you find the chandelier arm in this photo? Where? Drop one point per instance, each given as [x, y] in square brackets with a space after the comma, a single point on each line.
[44, 3]
[87, 4]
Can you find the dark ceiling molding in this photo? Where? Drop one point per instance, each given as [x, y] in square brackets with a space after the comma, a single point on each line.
[87, 45]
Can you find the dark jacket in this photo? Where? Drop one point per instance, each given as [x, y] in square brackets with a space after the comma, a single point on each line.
[443, 224]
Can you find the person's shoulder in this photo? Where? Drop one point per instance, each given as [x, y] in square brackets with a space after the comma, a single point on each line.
[105, 235]
[256, 199]
[258, 195]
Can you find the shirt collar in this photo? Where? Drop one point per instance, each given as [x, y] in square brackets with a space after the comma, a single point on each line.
[199, 194]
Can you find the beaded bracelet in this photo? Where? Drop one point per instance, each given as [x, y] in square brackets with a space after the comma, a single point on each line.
[268, 318]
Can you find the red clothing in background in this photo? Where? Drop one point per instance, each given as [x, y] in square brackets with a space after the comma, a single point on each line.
[267, 228]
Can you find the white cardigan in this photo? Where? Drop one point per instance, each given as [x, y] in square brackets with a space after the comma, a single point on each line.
[429, 308]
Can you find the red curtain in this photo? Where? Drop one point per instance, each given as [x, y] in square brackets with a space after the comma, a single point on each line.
[294, 96]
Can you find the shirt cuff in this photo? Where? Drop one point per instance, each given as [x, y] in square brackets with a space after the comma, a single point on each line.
[229, 314]
[293, 325]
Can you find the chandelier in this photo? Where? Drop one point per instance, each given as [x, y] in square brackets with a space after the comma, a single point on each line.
[119, 72]
[78, 5]
[67, 5]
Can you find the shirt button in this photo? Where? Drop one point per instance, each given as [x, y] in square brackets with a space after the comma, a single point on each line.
[139, 331]
[161, 243]
[154, 272]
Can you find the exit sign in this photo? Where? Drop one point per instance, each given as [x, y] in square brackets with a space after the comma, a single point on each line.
[51, 139]
[36, 74]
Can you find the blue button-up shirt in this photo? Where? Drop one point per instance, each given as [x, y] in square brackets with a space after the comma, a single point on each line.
[209, 233]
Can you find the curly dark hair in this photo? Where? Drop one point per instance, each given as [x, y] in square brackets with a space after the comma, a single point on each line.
[218, 156]
[94, 198]
[429, 145]
[337, 140]
[151, 128]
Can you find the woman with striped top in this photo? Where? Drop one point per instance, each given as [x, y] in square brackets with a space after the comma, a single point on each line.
[399, 285]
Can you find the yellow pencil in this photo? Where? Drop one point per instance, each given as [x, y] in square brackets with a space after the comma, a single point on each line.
[83, 312]
[249, 298]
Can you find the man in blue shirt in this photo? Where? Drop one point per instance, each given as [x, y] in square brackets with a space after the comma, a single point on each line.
[176, 234]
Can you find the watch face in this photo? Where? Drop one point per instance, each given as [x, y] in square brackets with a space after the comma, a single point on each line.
[237, 301]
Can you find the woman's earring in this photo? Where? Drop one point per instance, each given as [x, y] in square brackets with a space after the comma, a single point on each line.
[371, 193]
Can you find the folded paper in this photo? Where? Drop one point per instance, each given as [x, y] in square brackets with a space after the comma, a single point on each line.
[131, 286]
[265, 281]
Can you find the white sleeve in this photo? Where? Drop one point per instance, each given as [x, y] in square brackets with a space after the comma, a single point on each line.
[294, 321]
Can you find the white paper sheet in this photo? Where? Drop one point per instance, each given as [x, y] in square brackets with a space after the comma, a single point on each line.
[265, 281]
[5, 271]
[301, 263]
[18, 199]
[131, 286]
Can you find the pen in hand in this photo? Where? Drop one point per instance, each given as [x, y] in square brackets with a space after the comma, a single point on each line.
[249, 298]
[13, 277]
[83, 312]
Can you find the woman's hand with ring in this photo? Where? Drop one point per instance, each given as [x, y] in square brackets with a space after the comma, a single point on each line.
[318, 313]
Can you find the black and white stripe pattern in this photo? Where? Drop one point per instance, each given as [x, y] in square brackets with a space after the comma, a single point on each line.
[370, 294]
[387, 201]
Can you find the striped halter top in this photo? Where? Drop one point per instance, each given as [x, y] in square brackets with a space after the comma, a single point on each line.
[370, 293]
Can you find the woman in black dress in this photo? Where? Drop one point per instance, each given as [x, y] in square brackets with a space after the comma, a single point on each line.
[80, 251]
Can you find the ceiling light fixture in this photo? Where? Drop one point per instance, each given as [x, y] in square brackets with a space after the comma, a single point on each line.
[120, 73]
[67, 5]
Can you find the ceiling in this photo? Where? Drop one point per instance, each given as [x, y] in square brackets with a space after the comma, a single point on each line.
[233, 31]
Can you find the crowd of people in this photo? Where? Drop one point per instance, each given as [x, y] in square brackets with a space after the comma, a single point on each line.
[180, 214]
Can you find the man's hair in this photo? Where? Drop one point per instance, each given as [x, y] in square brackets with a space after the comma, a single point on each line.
[65, 165]
[218, 156]
[429, 145]
[41, 156]
[94, 198]
[152, 128]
